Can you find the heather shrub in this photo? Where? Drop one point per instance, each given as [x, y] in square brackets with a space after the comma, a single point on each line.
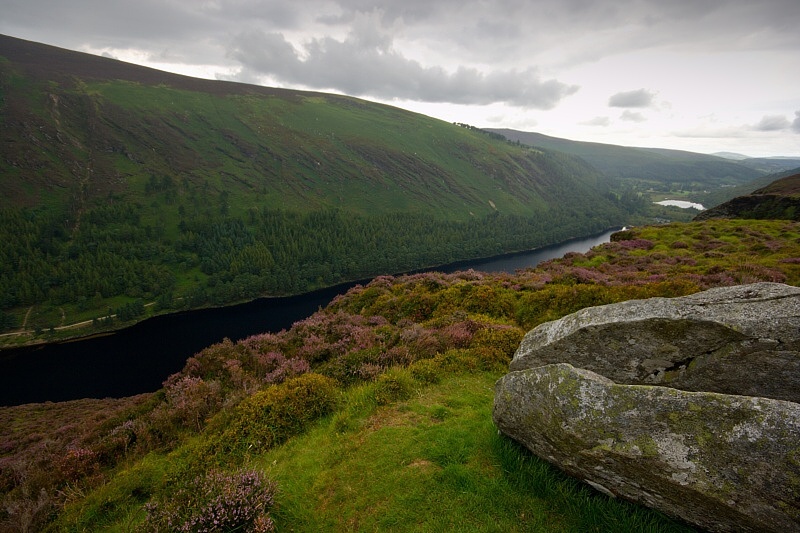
[457, 360]
[422, 342]
[122, 438]
[489, 299]
[27, 511]
[278, 412]
[555, 301]
[77, 464]
[275, 368]
[459, 334]
[355, 366]
[215, 501]
[496, 345]
[210, 362]
[393, 385]
[426, 371]
[189, 401]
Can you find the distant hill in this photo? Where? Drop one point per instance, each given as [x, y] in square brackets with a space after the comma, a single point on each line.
[722, 195]
[659, 167]
[772, 165]
[123, 185]
[731, 155]
[778, 200]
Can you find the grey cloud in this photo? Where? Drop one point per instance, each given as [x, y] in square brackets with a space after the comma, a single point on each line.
[632, 116]
[366, 64]
[772, 123]
[796, 122]
[597, 121]
[637, 98]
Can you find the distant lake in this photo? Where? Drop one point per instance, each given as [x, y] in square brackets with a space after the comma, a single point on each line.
[682, 204]
[139, 358]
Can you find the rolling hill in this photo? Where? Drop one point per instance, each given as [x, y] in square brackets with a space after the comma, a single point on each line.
[123, 186]
[659, 168]
[779, 200]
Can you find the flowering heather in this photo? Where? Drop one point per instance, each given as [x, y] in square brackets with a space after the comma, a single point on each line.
[634, 244]
[215, 501]
[190, 400]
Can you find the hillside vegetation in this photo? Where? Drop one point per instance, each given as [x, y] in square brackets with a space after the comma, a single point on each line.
[657, 169]
[128, 191]
[779, 199]
[372, 414]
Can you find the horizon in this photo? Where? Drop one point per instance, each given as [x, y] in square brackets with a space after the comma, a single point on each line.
[716, 77]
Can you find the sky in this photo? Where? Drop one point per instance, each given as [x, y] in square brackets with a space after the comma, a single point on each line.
[700, 75]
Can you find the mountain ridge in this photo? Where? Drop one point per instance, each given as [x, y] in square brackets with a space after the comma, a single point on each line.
[123, 185]
[657, 166]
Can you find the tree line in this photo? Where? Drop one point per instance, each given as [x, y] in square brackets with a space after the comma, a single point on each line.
[224, 258]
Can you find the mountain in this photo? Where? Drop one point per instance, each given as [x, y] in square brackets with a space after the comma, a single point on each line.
[125, 186]
[772, 164]
[779, 200]
[763, 164]
[722, 195]
[731, 155]
[82, 127]
[658, 168]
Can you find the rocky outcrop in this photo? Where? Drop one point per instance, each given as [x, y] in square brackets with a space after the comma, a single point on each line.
[722, 462]
[688, 405]
[733, 340]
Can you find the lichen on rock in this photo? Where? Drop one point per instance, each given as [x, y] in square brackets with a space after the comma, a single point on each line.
[688, 405]
[723, 462]
[734, 340]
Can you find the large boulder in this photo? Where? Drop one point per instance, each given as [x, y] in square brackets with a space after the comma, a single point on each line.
[734, 340]
[722, 462]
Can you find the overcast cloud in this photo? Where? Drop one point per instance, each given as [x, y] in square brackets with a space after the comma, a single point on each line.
[554, 66]
[638, 98]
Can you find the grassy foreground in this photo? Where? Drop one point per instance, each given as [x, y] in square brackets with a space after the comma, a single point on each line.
[433, 462]
[430, 462]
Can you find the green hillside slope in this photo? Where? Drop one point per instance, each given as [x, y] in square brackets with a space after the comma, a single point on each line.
[661, 169]
[719, 196]
[778, 200]
[123, 186]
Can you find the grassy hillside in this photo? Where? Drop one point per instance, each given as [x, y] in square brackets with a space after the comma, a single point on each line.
[127, 191]
[715, 198]
[779, 199]
[372, 414]
[660, 169]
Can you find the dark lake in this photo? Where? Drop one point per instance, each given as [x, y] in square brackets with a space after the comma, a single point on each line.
[139, 358]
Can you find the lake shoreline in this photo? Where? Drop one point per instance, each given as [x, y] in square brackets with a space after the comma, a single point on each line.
[138, 358]
[102, 331]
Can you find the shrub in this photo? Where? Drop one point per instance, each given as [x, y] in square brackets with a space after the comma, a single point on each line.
[189, 401]
[393, 385]
[496, 345]
[354, 366]
[78, 463]
[454, 361]
[215, 501]
[278, 412]
[426, 371]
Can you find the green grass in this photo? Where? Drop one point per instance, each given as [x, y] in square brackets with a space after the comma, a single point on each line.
[434, 462]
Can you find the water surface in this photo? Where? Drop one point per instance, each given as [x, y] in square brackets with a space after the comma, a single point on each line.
[139, 358]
